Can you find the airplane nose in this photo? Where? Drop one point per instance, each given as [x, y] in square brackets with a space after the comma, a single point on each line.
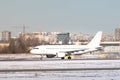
[34, 51]
[31, 51]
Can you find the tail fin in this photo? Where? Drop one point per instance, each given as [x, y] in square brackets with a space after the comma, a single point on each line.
[96, 40]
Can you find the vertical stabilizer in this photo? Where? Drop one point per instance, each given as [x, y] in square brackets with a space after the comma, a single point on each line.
[96, 40]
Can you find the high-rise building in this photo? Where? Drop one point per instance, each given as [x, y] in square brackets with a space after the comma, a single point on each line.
[117, 34]
[5, 36]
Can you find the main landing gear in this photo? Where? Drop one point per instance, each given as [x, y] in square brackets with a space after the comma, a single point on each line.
[68, 57]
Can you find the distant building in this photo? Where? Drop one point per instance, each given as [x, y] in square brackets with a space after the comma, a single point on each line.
[117, 34]
[63, 38]
[49, 37]
[5, 36]
[108, 37]
[0, 36]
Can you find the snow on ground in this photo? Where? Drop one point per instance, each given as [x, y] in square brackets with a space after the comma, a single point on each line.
[59, 64]
[61, 75]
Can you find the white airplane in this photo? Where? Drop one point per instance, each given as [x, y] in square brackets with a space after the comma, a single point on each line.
[67, 50]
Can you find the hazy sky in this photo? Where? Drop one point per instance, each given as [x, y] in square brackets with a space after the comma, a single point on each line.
[87, 16]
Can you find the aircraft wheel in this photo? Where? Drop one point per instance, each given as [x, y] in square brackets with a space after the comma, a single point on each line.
[69, 57]
[62, 57]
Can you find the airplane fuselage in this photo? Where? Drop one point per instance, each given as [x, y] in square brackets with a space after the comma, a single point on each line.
[50, 49]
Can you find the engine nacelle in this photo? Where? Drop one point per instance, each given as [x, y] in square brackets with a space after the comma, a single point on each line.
[60, 54]
[50, 56]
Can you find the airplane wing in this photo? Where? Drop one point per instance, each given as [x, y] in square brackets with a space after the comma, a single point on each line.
[72, 51]
[83, 51]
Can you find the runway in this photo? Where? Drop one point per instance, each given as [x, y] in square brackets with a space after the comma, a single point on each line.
[70, 69]
[60, 70]
[59, 65]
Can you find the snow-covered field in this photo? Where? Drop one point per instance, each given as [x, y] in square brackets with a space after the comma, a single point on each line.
[61, 75]
[59, 64]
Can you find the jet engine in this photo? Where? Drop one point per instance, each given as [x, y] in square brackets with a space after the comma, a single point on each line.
[50, 56]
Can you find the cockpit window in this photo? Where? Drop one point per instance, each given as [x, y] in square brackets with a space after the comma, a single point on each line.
[35, 48]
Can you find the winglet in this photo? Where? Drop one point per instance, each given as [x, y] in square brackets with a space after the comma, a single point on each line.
[96, 40]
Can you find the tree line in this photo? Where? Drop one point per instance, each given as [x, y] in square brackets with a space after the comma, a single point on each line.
[21, 45]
